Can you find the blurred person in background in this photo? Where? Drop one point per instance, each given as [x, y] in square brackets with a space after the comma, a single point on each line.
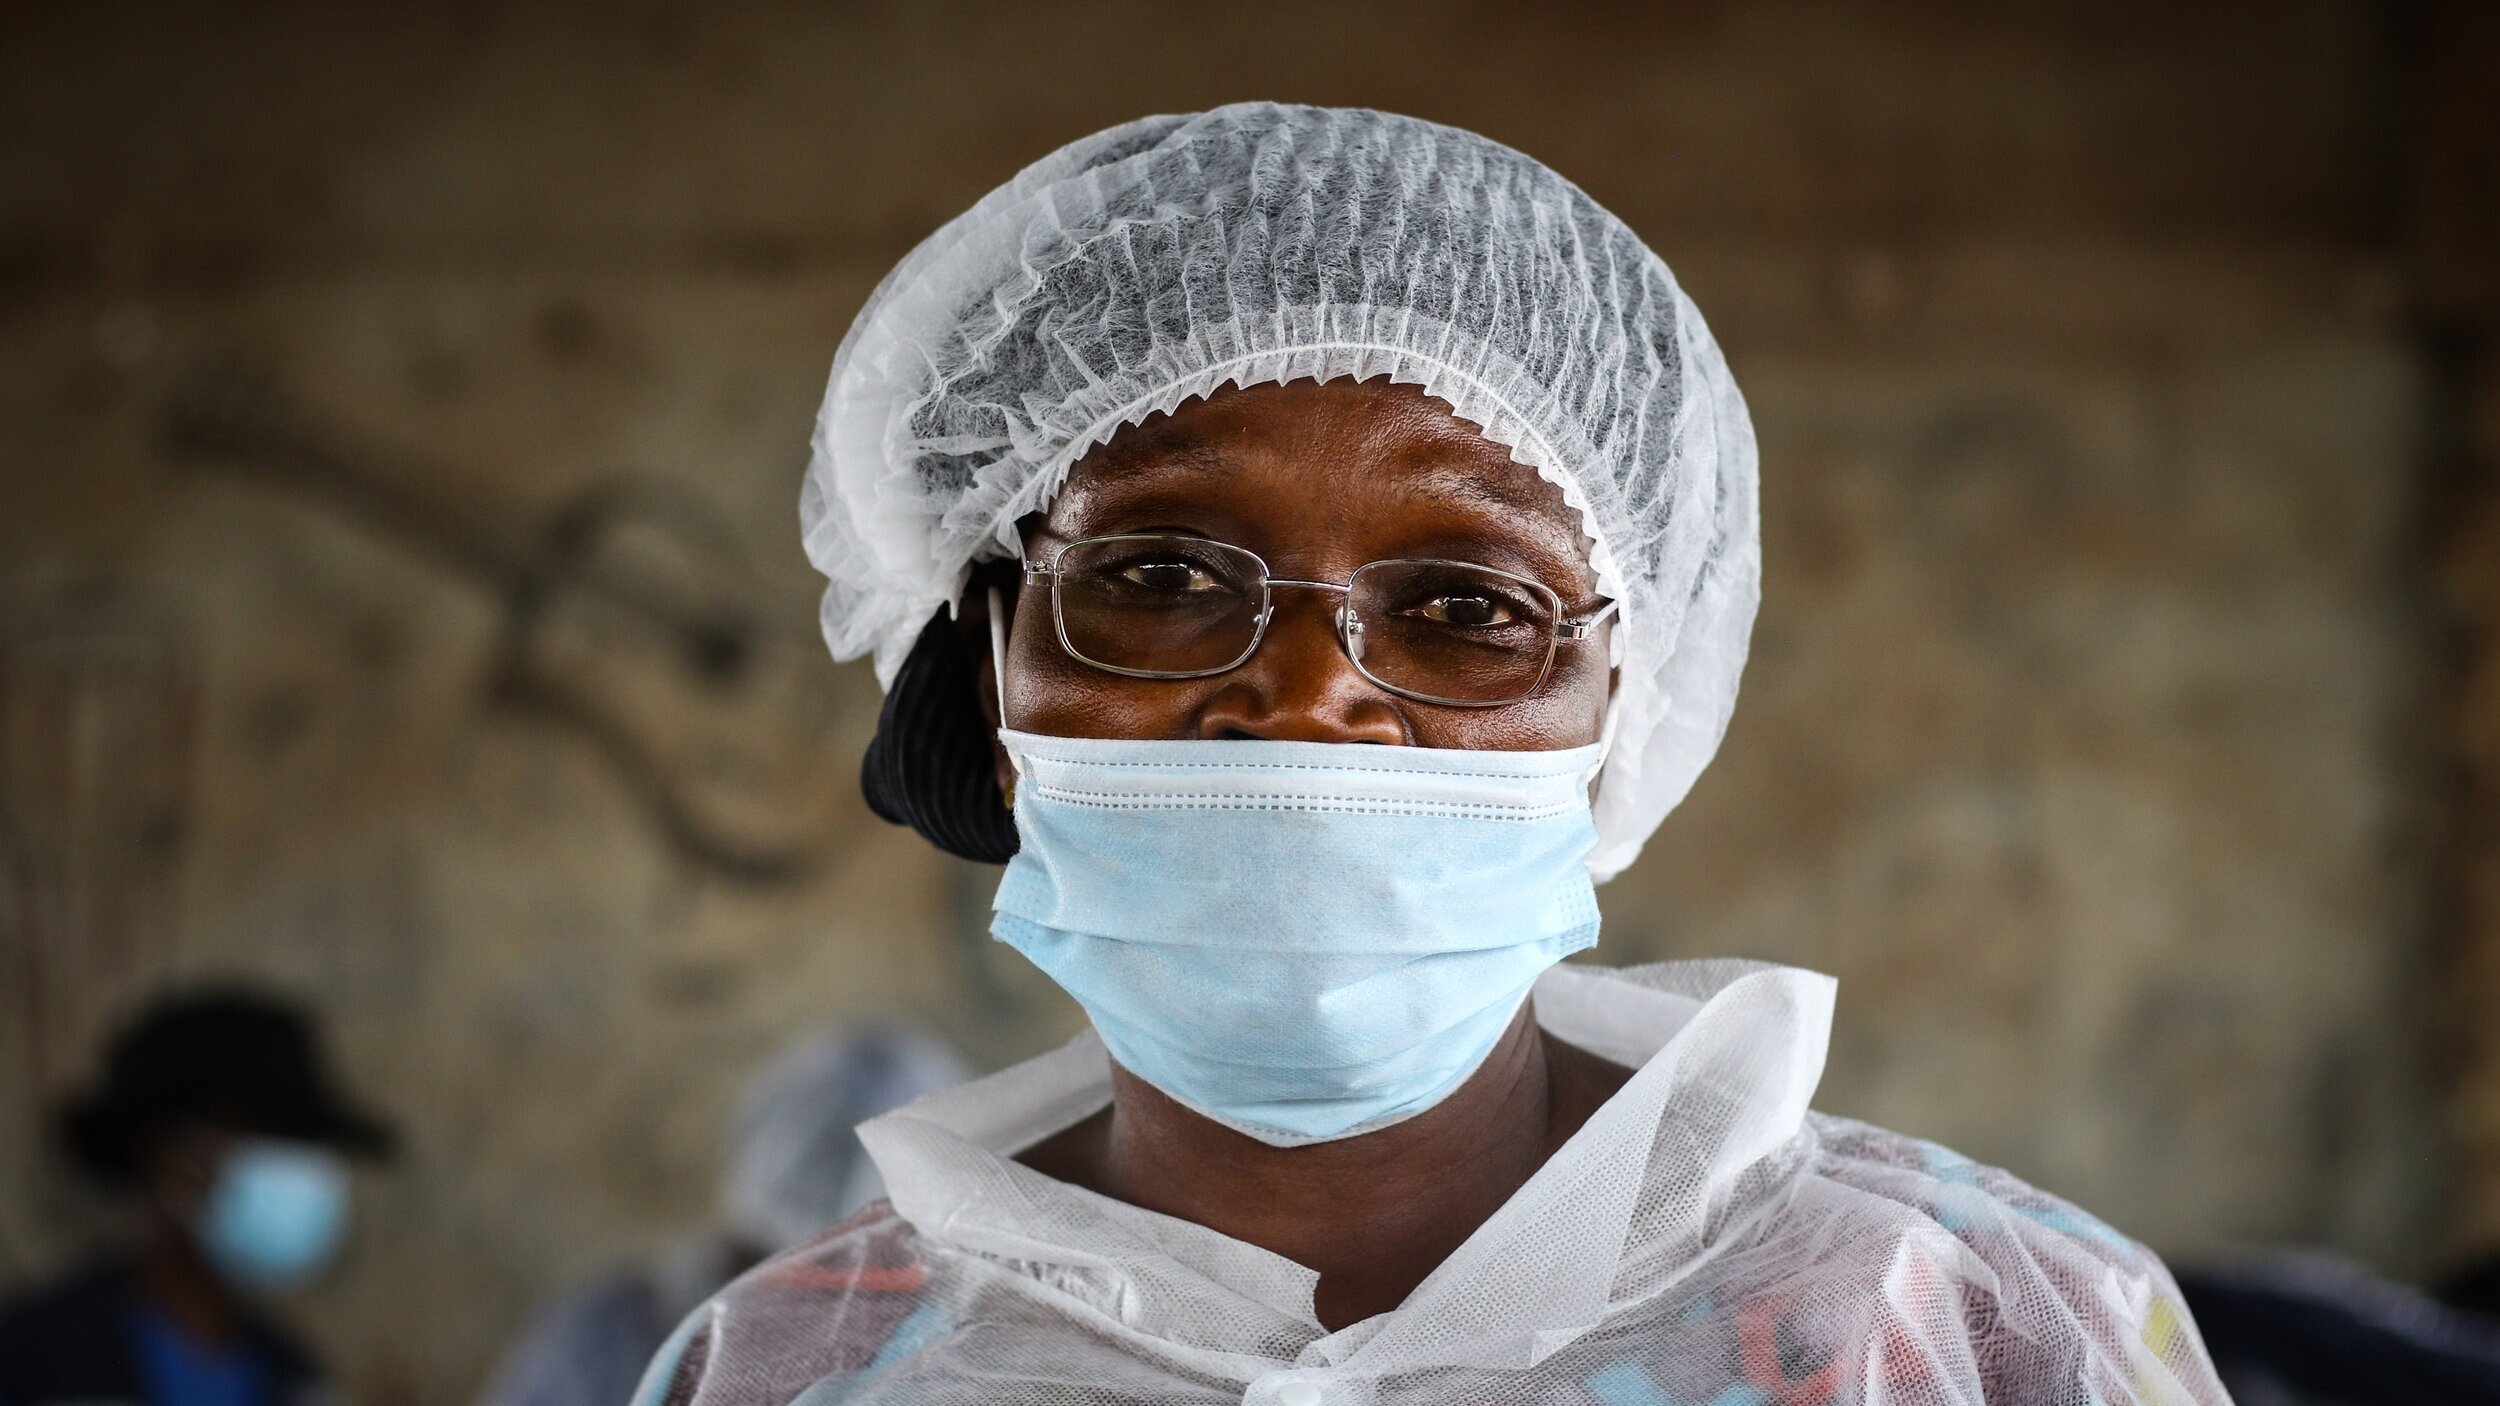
[219, 1140]
[2306, 1328]
[795, 1166]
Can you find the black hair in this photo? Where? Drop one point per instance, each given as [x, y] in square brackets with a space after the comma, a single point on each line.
[930, 765]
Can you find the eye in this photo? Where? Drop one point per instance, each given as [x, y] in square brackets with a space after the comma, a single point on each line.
[1167, 577]
[1466, 609]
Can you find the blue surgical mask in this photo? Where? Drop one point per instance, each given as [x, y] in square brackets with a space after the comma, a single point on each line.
[1304, 941]
[275, 1215]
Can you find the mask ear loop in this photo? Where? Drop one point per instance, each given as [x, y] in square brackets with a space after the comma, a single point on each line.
[998, 653]
[1605, 737]
[1614, 699]
[998, 681]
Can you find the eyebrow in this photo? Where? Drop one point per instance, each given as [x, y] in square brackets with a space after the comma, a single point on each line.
[1439, 474]
[1439, 477]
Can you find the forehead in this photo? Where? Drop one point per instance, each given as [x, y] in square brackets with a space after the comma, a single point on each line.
[1327, 456]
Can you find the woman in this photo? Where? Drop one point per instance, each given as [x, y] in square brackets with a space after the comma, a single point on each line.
[1204, 448]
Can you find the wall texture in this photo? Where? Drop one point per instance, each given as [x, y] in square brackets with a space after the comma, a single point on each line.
[403, 415]
[2451, 237]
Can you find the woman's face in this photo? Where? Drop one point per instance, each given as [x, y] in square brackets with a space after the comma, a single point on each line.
[1317, 479]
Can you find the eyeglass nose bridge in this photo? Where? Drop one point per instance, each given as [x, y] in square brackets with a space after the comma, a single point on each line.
[1349, 629]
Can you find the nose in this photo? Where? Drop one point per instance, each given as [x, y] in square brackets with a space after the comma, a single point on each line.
[1299, 686]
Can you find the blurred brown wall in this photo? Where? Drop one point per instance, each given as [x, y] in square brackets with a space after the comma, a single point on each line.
[2450, 231]
[401, 412]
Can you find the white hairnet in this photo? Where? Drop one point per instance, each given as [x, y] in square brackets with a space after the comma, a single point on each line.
[795, 1163]
[1143, 266]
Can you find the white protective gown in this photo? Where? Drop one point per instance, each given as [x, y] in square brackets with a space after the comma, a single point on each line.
[1703, 1241]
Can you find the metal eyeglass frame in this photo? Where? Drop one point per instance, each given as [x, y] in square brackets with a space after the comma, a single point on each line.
[1046, 573]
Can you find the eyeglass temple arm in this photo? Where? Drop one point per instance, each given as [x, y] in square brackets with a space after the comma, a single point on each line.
[1586, 625]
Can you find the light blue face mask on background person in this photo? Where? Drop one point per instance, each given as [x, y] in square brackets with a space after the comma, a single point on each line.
[275, 1215]
[1302, 940]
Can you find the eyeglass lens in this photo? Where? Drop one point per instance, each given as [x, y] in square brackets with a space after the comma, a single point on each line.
[1159, 605]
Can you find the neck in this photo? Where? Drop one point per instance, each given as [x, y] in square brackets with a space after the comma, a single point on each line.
[1374, 1214]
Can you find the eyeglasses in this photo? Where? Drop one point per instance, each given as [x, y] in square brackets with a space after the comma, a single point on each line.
[1161, 606]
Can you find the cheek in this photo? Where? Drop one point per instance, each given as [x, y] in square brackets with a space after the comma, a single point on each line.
[1050, 693]
[1568, 711]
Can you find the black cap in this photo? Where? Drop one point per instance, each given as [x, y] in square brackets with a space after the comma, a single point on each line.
[223, 1055]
